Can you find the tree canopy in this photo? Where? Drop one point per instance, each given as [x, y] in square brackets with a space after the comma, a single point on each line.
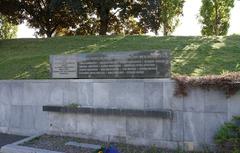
[7, 29]
[215, 16]
[102, 17]
[130, 17]
[40, 15]
[161, 14]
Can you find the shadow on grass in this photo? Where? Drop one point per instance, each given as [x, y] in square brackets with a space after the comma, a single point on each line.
[193, 56]
[209, 55]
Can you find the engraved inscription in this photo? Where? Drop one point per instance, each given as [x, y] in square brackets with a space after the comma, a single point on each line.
[150, 64]
[64, 67]
[134, 66]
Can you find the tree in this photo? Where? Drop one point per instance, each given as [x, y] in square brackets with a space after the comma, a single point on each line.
[11, 10]
[171, 10]
[131, 26]
[110, 12]
[215, 16]
[150, 15]
[7, 29]
[106, 14]
[157, 14]
[40, 15]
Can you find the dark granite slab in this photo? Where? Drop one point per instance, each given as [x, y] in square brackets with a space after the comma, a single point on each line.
[162, 113]
[112, 65]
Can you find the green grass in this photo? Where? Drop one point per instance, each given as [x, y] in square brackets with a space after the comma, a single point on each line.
[194, 56]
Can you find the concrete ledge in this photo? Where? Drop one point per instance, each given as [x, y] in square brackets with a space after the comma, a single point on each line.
[88, 80]
[162, 113]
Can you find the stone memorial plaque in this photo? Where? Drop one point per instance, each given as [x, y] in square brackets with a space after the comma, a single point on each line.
[64, 66]
[115, 65]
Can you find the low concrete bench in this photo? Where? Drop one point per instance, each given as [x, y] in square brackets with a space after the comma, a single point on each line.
[162, 113]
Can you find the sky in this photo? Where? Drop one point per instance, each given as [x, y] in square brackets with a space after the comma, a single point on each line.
[189, 24]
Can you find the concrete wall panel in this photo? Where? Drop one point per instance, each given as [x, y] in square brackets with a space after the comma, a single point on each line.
[195, 117]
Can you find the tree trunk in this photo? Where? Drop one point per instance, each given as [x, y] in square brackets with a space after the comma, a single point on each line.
[156, 32]
[104, 19]
[216, 29]
[49, 34]
[103, 26]
[165, 31]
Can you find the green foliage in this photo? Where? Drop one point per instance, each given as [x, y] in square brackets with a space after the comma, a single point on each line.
[40, 15]
[11, 10]
[228, 136]
[103, 16]
[7, 29]
[73, 105]
[171, 10]
[101, 150]
[215, 16]
[95, 17]
[153, 149]
[161, 14]
[150, 14]
[120, 17]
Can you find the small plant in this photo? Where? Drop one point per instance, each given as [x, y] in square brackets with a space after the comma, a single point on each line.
[73, 105]
[107, 149]
[152, 149]
[101, 150]
[228, 136]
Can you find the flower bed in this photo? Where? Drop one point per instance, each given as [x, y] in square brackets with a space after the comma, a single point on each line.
[58, 143]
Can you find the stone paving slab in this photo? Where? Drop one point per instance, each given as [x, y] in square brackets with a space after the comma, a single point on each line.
[15, 148]
[8, 139]
[21, 149]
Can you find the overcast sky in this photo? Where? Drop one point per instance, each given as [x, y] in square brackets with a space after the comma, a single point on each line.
[189, 25]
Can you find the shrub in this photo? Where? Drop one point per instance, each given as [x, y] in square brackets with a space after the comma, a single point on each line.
[227, 137]
[229, 83]
[73, 105]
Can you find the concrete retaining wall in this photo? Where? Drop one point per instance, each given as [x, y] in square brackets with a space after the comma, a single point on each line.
[196, 117]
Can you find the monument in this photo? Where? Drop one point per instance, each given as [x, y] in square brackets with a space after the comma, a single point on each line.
[112, 65]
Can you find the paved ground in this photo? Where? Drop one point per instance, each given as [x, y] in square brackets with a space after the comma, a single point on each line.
[7, 139]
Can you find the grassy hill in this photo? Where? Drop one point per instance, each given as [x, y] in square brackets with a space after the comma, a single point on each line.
[195, 56]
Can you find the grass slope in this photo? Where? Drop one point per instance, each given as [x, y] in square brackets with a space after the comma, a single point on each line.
[194, 56]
